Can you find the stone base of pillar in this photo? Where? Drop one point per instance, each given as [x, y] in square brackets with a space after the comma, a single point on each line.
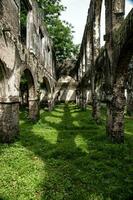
[33, 110]
[77, 102]
[9, 122]
[50, 105]
[115, 118]
[115, 127]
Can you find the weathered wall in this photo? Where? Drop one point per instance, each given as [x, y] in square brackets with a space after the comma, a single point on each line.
[106, 70]
[35, 58]
[67, 87]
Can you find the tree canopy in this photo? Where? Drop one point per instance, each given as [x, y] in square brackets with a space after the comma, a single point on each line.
[60, 31]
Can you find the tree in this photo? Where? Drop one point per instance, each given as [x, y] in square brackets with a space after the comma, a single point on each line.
[60, 31]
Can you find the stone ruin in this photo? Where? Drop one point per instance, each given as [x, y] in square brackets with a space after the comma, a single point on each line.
[100, 74]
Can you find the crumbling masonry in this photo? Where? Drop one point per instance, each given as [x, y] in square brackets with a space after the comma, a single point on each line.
[100, 74]
[31, 55]
[105, 72]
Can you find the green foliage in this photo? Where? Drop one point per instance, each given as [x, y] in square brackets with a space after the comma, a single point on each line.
[23, 21]
[66, 156]
[52, 9]
[60, 31]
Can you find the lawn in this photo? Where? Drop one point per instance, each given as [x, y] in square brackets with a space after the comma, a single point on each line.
[66, 156]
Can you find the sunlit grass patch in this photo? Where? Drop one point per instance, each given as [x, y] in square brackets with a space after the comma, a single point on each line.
[66, 156]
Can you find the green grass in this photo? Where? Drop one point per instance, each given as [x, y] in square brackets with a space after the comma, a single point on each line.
[66, 156]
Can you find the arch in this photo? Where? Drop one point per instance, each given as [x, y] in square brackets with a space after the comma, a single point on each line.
[46, 82]
[126, 54]
[67, 86]
[27, 83]
[31, 98]
[45, 92]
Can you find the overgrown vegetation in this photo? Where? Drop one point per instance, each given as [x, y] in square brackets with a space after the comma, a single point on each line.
[60, 31]
[66, 156]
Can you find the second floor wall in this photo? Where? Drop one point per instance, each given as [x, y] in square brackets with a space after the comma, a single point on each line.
[23, 21]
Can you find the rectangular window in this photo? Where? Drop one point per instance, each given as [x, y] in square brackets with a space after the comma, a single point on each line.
[24, 9]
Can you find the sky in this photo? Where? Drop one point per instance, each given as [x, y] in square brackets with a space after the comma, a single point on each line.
[76, 14]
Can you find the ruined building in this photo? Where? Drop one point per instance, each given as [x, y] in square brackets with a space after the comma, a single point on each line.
[105, 71]
[24, 51]
[67, 81]
[100, 75]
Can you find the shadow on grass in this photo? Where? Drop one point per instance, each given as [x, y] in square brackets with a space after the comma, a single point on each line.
[80, 163]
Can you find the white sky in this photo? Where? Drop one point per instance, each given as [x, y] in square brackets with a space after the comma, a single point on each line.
[76, 14]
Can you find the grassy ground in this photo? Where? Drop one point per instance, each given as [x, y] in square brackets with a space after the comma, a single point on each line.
[66, 156]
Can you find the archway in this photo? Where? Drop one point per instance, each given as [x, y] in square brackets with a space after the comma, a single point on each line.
[114, 12]
[28, 94]
[46, 94]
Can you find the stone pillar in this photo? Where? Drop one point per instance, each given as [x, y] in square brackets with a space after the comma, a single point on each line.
[95, 108]
[33, 109]
[77, 97]
[80, 99]
[116, 119]
[9, 121]
[84, 99]
[109, 119]
[95, 99]
[50, 105]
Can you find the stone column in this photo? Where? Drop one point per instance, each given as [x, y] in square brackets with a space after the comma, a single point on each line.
[33, 109]
[50, 105]
[80, 99]
[109, 119]
[95, 100]
[116, 119]
[77, 97]
[9, 121]
[84, 99]
[95, 108]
